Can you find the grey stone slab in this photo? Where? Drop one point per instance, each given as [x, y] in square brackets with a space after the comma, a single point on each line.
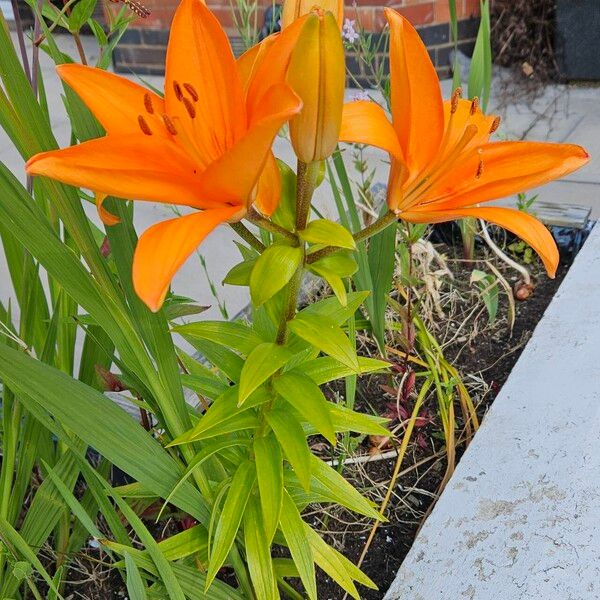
[520, 518]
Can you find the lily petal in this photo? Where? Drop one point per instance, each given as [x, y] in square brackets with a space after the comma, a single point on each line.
[268, 190]
[523, 225]
[199, 55]
[105, 216]
[365, 122]
[125, 166]
[249, 61]
[164, 247]
[504, 168]
[273, 65]
[232, 178]
[417, 110]
[115, 101]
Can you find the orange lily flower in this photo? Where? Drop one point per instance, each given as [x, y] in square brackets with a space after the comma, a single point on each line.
[204, 145]
[443, 164]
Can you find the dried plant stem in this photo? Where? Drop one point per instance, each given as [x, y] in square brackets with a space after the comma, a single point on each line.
[401, 452]
[21, 38]
[502, 256]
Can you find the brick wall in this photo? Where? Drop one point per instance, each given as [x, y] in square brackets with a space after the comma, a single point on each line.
[142, 48]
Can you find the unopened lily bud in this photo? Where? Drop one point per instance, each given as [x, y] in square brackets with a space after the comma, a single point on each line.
[293, 9]
[317, 74]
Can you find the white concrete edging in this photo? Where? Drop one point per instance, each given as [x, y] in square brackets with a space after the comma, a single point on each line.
[520, 518]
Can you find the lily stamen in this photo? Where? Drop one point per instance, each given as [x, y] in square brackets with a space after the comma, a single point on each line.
[191, 90]
[495, 125]
[148, 104]
[177, 90]
[474, 105]
[479, 172]
[144, 126]
[189, 107]
[456, 96]
[169, 125]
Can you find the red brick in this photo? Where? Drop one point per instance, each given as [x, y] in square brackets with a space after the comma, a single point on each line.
[442, 12]
[471, 8]
[419, 14]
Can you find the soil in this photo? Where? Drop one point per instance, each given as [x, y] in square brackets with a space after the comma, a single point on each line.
[484, 354]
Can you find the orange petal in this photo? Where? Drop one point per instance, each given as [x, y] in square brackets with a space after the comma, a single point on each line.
[269, 187]
[106, 217]
[317, 74]
[164, 247]
[232, 178]
[127, 166]
[417, 111]
[249, 61]
[115, 101]
[466, 113]
[199, 55]
[366, 123]
[523, 225]
[504, 168]
[272, 68]
[294, 9]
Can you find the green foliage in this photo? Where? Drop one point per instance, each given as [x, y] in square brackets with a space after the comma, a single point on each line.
[239, 464]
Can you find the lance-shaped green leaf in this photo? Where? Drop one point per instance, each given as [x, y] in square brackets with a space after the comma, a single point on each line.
[334, 280]
[325, 368]
[135, 585]
[306, 397]
[324, 334]
[273, 269]
[258, 553]
[290, 436]
[262, 362]
[345, 419]
[269, 474]
[222, 411]
[336, 565]
[332, 308]
[339, 490]
[341, 263]
[234, 335]
[240, 273]
[230, 518]
[323, 231]
[293, 528]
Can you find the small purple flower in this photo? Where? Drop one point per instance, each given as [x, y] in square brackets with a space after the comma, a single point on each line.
[348, 31]
[360, 95]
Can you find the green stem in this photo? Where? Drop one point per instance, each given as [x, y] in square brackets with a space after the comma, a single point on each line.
[256, 218]
[360, 236]
[247, 236]
[306, 182]
[289, 311]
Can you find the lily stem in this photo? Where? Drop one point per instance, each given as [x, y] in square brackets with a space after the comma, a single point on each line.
[247, 236]
[254, 217]
[360, 236]
[305, 186]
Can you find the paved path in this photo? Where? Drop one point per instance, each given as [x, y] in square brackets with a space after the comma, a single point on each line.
[519, 519]
[577, 119]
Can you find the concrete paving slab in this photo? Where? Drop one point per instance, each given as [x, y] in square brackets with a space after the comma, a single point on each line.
[519, 518]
